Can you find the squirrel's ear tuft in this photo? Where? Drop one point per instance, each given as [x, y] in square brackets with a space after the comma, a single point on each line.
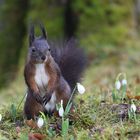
[31, 35]
[43, 31]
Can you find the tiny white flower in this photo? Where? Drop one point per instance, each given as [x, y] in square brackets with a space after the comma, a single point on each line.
[124, 82]
[40, 122]
[0, 117]
[118, 85]
[133, 107]
[61, 109]
[80, 88]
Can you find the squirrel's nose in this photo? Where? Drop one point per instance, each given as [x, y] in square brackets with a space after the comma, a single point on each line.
[43, 57]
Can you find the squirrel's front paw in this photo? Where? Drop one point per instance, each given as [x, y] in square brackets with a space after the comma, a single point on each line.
[38, 98]
[46, 99]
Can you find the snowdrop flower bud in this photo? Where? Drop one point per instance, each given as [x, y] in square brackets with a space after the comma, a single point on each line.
[0, 117]
[61, 109]
[118, 85]
[133, 108]
[80, 88]
[124, 82]
[40, 122]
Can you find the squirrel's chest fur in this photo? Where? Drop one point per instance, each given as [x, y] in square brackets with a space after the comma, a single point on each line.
[41, 78]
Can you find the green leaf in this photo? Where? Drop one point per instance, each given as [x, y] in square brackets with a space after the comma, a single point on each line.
[68, 107]
[71, 137]
[123, 91]
[24, 136]
[113, 96]
[65, 127]
[43, 116]
[57, 107]
[51, 133]
[13, 112]
[129, 115]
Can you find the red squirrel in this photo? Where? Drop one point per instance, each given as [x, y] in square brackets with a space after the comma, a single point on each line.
[51, 73]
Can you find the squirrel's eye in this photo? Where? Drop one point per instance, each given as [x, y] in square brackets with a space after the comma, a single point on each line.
[49, 49]
[33, 50]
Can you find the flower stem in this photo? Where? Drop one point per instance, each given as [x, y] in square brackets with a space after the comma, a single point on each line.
[21, 102]
[71, 96]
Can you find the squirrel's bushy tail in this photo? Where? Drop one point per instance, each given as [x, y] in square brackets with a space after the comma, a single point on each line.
[71, 60]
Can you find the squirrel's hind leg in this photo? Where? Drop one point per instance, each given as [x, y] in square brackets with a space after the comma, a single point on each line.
[31, 107]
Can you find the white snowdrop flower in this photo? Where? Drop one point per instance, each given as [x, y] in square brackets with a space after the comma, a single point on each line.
[81, 89]
[118, 85]
[40, 122]
[124, 82]
[133, 107]
[0, 117]
[61, 109]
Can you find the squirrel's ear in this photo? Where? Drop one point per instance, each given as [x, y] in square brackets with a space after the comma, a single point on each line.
[43, 31]
[31, 35]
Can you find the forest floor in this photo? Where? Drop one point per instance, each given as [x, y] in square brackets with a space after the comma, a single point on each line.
[96, 116]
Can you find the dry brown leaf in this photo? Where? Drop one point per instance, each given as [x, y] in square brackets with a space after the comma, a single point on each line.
[31, 123]
[137, 97]
[137, 80]
[130, 96]
[56, 114]
[36, 136]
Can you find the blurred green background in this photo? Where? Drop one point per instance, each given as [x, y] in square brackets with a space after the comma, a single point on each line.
[103, 27]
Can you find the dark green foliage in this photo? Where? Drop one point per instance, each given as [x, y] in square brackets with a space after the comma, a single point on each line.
[105, 21]
[13, 29]
[97, 23]
[50, 13]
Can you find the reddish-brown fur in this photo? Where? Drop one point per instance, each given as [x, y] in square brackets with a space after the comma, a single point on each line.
[56, 83]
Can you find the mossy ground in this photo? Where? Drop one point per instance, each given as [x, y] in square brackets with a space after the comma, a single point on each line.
[93, 118]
